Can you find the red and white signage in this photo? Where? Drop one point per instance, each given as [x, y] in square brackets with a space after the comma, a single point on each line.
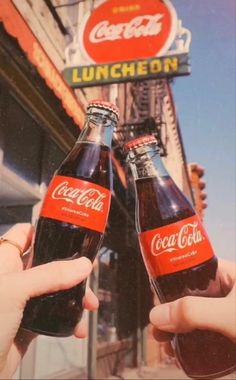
[122, 30]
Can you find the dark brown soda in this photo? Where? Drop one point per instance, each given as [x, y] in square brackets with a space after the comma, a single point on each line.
[202, 354]
[57, 314]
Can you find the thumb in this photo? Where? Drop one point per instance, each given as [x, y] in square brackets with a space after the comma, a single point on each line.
[189, 313]
[47, 278]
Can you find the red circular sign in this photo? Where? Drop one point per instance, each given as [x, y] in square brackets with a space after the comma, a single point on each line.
[121, 30]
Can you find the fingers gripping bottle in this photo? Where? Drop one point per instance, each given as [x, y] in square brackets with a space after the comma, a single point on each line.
[178, 257]
[73, 218]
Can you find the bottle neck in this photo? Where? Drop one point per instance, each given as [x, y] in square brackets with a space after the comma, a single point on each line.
[98, 127]
[145, 162]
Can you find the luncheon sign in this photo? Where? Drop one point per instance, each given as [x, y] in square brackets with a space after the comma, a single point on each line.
[125, 40]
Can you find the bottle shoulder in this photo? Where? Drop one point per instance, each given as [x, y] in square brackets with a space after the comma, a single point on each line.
[160, 202]
[89, 162]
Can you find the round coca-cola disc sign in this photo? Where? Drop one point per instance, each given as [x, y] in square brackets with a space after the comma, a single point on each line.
[121, 30]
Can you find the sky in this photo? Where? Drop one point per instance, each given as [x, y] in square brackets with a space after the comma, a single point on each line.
[206, 104]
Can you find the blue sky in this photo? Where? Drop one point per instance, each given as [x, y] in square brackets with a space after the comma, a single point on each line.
[206, 102]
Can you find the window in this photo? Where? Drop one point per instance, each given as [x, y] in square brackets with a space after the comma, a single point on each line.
[107, 295]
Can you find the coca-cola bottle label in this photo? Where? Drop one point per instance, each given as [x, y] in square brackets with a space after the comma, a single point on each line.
[77, 202]
[175, 247]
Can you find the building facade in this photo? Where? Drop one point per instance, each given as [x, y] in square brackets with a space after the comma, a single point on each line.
[41, 118]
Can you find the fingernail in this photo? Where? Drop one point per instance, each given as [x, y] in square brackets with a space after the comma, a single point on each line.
[160, 315]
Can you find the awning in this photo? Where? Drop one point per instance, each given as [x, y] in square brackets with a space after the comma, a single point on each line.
[17, 27]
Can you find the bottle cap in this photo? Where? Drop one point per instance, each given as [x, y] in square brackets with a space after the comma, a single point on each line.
[105, 105]
[140, 141]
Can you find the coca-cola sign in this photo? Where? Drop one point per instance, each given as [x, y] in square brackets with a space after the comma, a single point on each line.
[125, 41]
[121, 30]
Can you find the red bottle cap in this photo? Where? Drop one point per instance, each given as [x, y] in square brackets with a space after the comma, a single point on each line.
[105, 105]
[140, 141]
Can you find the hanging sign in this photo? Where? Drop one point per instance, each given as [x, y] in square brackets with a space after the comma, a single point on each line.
[123, 40]
[118, 72]
[122, 30]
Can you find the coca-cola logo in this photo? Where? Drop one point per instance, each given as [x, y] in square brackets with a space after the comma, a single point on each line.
[89, 198]
[188, 235]
[141, 26]
[120, 30]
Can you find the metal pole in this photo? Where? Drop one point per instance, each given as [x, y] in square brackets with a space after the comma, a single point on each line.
[92, 338]
[139, 331]
[144, 346]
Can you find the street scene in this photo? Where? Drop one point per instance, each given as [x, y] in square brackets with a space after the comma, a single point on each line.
[117, 189]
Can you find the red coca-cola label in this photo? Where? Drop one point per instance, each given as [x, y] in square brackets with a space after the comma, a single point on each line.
[175, 247]
[120, 30]
[77, 202]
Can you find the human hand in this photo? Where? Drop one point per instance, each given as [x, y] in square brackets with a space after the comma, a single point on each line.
[190, 312]
[18, 285]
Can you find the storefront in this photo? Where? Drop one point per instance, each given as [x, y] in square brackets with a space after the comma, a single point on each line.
[36, 133]
[40, 120]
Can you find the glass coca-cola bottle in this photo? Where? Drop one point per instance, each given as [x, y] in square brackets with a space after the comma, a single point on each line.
[73, 218]
[178, 257]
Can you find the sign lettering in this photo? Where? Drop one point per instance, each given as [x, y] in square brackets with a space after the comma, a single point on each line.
[156, 67]
[123, 30]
